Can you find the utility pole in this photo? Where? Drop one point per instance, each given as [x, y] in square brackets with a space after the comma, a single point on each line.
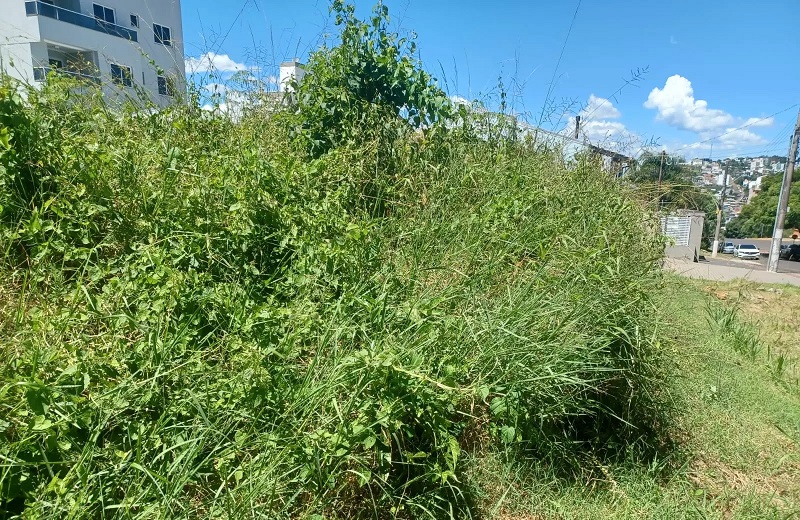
[660, 178]
[577, 125]
[783, 202]
[720, 214]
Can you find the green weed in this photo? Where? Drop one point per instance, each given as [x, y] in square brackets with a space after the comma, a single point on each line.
[206, 318]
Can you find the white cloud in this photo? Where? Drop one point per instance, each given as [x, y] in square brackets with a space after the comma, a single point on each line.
[599, 108]
[216, 89]
[599, 125]
[732, 140]
[739, 137]
[760, 122]
[213, 61]
[678, 107]
[598, 131]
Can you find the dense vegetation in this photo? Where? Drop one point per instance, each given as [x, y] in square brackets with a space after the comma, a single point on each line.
[296, 316]
[757, 218]
[674, 191]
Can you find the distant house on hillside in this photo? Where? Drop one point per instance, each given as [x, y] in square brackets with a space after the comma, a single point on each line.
[754, 188]
[109, 42]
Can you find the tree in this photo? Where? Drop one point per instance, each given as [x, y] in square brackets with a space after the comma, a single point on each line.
[369, 85]
[676, 189]
[649, 164]
[758, 216]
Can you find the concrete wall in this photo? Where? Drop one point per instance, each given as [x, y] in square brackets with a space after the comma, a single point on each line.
[690, 248]
[17, 32]
[21, 38]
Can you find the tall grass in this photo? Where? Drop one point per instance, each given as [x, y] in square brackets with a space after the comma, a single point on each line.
[200, 320]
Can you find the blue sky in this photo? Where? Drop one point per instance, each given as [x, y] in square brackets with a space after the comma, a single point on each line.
[712, 66]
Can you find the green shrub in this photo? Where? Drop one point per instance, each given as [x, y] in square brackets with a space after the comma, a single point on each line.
[199, 321]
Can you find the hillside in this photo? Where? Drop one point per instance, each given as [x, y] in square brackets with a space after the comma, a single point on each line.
[759, 214]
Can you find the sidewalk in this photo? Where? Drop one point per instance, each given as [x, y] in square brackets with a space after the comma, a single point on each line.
[723, 273]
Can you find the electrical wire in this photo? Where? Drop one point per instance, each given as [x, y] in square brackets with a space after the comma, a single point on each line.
[558, 63]
[735, 129]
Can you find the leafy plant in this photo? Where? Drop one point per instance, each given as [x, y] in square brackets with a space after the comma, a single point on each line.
[239, 330]
[369, 86]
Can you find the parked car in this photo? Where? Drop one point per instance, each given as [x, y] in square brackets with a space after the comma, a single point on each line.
[790, 252]
[746, 251]
[728, 248]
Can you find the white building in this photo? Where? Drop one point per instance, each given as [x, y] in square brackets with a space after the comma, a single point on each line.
[111, 42]
[290, 71]
[754, 188]
[757, 165]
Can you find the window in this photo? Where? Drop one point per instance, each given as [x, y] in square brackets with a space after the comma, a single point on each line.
[134, 20]
[162, 34]
[104, 14]
[56, 64]
[121, 75]
[165, 87]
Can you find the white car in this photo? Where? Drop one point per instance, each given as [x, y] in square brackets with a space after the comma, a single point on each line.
[748, 251]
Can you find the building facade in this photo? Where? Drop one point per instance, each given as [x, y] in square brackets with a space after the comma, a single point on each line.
[131, 47]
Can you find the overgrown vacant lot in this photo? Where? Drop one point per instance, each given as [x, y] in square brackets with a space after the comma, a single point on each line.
[370, 304]
[242, 330]
[239, 332]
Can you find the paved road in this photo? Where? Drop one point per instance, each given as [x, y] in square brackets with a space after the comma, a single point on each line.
[784, 266]
[720, 272]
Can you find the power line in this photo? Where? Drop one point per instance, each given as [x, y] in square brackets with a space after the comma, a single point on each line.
[778, 139]
[735, 129]
[225, 37]
[782, 134]
[775, 144]
[558, 63]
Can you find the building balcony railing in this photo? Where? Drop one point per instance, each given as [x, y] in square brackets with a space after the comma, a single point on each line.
[34, 8]
[41, 73]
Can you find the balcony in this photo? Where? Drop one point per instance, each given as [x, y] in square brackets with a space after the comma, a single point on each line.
[36, 8]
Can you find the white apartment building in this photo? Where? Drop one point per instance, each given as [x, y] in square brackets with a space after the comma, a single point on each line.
[757, 165]
[109, 42]
[754, 188]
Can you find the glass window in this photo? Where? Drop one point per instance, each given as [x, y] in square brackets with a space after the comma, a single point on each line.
[105, 14]
[162, 34]
[164, 86]
[56, 64]
[121, 75]
[134, 20]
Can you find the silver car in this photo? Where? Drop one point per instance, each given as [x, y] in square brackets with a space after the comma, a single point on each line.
[728, 248]
[746, 251]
